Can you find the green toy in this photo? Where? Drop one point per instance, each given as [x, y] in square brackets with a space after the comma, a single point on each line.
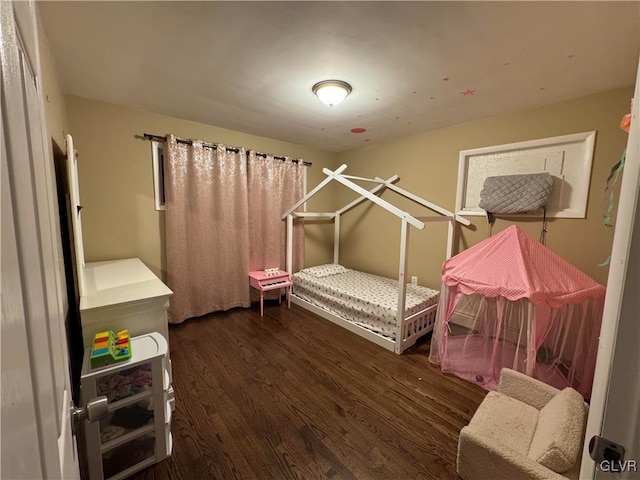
[109, 348]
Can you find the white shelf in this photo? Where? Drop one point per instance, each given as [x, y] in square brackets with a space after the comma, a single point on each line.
[127, 437]
[147, 462]
[125, 402]
[148, 364]
[143, 348]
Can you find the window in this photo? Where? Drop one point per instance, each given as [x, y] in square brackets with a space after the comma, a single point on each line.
[567, 158]
[157, 152]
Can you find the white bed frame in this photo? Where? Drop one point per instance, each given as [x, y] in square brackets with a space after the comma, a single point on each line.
[411, 328]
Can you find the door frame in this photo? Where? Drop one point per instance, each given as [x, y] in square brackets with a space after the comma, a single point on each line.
[37, 439]
[616, 376]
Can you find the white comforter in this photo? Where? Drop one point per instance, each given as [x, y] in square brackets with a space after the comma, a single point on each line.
[367, 300]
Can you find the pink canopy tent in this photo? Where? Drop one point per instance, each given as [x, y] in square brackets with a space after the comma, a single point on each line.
[509, 301]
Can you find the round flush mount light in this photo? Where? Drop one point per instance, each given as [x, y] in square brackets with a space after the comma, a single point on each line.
[331, 92]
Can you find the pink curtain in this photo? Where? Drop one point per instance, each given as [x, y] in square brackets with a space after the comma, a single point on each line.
[274, 185]
[207, 228]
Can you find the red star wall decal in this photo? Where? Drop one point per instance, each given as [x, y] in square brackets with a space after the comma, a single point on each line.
[468, 92]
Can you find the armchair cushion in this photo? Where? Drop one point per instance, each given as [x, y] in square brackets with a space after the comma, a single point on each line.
[557, 439]
[503, 420]
[526, 389]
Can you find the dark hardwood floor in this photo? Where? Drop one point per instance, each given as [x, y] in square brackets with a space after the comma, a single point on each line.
[293, 396]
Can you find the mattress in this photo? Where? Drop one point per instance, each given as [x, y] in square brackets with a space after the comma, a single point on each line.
[367, 300]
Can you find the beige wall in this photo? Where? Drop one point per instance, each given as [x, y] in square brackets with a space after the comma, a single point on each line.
[54, 101]
[120, 221]
[116, 178]
[57, 125]
[428, 166]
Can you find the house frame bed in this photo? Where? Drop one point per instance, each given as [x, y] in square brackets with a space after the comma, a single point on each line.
[408, 328]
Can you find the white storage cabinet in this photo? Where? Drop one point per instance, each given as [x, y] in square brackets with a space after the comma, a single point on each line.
[136, 432]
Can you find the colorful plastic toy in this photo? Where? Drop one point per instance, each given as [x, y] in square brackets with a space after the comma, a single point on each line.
[109, 348]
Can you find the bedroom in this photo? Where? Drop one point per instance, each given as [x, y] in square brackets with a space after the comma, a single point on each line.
[119, 220]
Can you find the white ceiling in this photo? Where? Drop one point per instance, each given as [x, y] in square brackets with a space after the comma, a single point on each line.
[250, 66]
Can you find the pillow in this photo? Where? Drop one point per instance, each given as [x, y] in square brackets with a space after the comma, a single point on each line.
[509, 194]
[557, 441]
[324, 270]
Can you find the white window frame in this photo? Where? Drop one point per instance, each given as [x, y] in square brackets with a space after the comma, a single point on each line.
[157, 154]
[575, 177]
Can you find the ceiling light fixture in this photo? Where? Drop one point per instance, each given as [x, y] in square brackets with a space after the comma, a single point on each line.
[331, 92]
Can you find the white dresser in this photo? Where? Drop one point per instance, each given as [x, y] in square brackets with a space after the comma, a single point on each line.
[123, 294]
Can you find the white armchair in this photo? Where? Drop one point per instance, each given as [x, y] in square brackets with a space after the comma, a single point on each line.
[525, 430]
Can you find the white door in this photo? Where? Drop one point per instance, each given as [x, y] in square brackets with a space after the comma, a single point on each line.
[37, 441]
[615, 402]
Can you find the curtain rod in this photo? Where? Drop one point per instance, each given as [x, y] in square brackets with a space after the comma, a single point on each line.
[163, 138]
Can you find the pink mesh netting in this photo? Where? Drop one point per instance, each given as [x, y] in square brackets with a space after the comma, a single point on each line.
[509, 301]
